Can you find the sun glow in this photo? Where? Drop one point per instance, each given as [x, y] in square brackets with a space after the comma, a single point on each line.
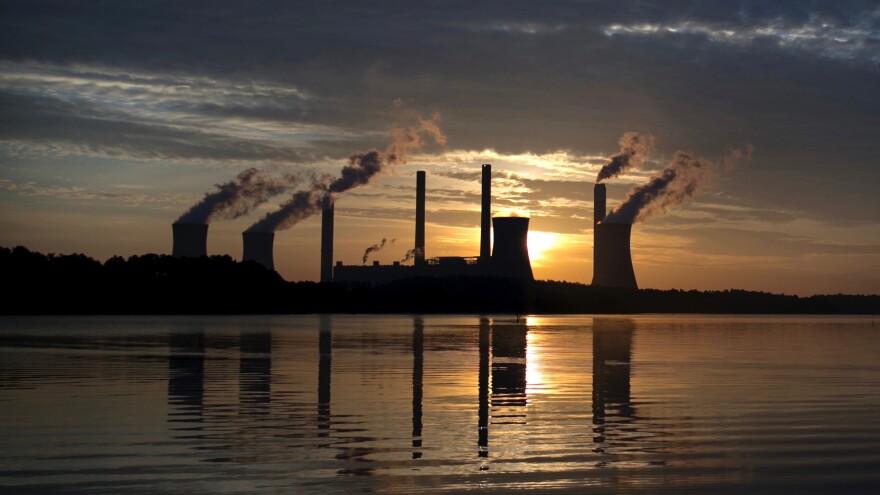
[541, 242]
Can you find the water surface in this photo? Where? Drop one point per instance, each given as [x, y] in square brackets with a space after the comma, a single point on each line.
[341, 404]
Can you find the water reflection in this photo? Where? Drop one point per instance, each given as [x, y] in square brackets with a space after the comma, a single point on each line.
[223, 404]
[255, 371]
[483, 394]
[186, 375]
[507, 362]
[418, 351]
[325, 364]
[614, 416]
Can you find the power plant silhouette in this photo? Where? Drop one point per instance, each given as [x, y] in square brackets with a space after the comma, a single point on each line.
[509, 258]
[612, 260]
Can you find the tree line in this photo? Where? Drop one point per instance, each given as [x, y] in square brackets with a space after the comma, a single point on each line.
[160, 284]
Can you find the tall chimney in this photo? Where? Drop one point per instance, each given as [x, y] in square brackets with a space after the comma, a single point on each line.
[598, 203]
[612, 260]
[258, 247]
[327, 211]
[510, 255]
[420, 218]
[190, 240]
[486, 214]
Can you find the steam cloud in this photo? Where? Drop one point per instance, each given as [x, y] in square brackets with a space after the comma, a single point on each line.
[374, 248]
[302, 205]
[674, 185]
[361, 167]
[633, 148]
[410, 254]
[238, 196]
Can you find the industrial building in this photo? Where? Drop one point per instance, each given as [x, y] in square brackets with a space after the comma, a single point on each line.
[190, 240]
[509, 258]
[509, 255]
[612, 260]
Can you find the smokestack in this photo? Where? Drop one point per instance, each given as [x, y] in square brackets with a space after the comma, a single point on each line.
[612, 261]
[510, 255]
[190, 240]
[258, 247]
[486, 214]
[598, 203]
[327, 239]
[420, 219]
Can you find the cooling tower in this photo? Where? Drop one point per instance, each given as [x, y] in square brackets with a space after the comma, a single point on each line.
[612, 261]
[327, 212]
[190, 240]
[510, 255]
[486, 214]
[420, 219]
[258, 247]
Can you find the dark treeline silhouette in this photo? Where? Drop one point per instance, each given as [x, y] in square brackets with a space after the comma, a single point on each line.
[159, 284]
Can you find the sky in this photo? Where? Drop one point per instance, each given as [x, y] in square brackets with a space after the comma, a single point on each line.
[117, 117]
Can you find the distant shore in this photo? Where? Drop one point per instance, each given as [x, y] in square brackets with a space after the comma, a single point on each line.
[161, 284]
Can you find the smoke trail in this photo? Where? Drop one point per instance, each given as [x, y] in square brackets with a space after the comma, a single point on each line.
[360, 169]
[410, 254]
[633, 148]
[302, 205]
[672, 186]
[238, 196]
[363, 166]
[374, 248]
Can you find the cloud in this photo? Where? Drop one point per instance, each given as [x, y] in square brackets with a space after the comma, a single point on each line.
[853, 40]
[57, 110]
[76, 193]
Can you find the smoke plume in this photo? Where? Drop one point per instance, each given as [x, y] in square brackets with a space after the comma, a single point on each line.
[302, 205]
[238, 196]
[674, 185]
[410, 254]
[374, 248]
[361, 167]
[633, 148]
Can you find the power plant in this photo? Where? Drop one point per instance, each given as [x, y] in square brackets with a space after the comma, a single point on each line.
[612, 260]
[190, 240]
[258, 247]
[327, 211]
[509, 258]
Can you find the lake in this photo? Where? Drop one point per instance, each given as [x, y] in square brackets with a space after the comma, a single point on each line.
[404, 404]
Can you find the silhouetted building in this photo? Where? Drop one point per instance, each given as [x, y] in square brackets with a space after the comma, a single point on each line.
[327, 213]
[612, 259]
[419, 255]
[486, 215]
[510, 253]
[258, 246]
[190, 240]
[509, 258]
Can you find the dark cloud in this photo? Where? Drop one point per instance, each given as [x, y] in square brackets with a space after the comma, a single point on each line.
[80, 128]
[512, 76]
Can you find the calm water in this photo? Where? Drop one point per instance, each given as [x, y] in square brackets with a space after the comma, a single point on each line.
[311, 404]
